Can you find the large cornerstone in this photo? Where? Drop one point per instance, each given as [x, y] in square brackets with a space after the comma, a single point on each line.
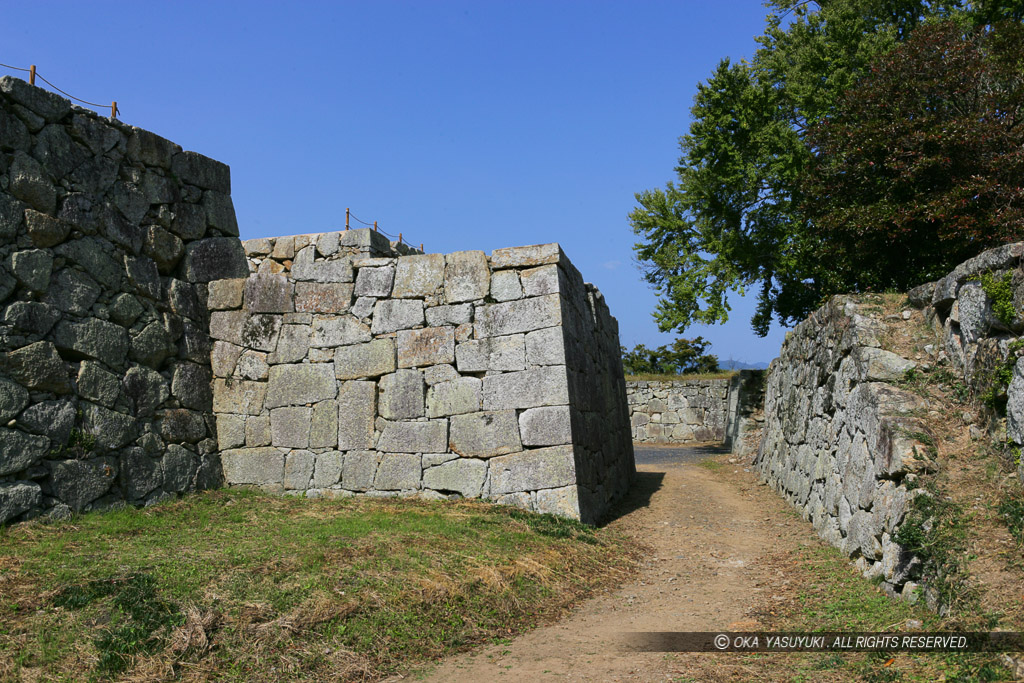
[343, 367]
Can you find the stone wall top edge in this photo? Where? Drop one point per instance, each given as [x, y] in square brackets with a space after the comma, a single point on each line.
[21, 92]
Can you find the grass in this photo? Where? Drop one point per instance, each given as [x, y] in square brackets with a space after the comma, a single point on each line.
[237, 585]
[650, 377]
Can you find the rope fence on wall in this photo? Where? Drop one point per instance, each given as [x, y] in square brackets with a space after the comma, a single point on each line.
[33, 74]
[376, 228]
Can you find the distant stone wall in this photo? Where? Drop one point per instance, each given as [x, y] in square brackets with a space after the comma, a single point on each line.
[678, 411]
[342, 367]
[108, 236]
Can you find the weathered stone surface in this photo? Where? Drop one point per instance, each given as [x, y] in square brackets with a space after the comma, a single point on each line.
[38, 366]
[258, 466]
[92, 254]
[230, 431]
[427, 346]
[877, 365]
[143, 276]
[111, 429]
[227, 325]
[329, 331]
[238, 396]
[305, 268]
[292, 345]
[53, 419]
[391, 315]
[454, 397]
[462, 475]
[125, 309]
[50, 106]
[398, 472]
[530, 470]
[534, 255]
[316, 297]
[259, 332]
[224, 294]
[323, 431]
[152, 346]
[13, 399]
[359, 470]
[563, 502]
[96, 384]
[214, 258]
[79, 482]
[28, 182]
[485, 434]
[291, 385]
[93, 338]
[180, 465]
[46, 231]
[1015, 404]
[257, 430]
[298, 470]
[31, 268]
[504, 354]
[269, 293]
[164, 247]
[542, 280]
[289, 427]
[18, 497]
[401, 395]
[457, 314]
[418, 276]
[375, 281]
[252, 365]
[201, 171]
[436, 374]
[19, 451]
[547, 426]
[31, 317]
[140, 473]
[505, 285]
[328, 468]
[224, 356]
[524, 315]
[414, 437]
[191, 386]
[365, 360]
[545, 386]
[357, 408]
[74, 292]
[466, 276]
[220, 212]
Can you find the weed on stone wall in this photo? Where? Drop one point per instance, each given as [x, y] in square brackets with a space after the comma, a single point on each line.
[999, 290]
[935, 531]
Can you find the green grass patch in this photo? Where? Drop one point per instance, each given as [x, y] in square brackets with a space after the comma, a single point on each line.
[236, 585]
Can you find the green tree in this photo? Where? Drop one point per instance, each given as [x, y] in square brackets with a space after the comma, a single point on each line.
[681, 357]
[733, 221]
[920, 167]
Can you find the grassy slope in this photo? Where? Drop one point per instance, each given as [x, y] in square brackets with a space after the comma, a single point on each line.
[241, 586]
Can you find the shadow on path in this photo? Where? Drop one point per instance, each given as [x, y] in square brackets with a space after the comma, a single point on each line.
[639, 496]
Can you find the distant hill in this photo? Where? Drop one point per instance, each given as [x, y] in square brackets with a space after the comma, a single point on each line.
[740, 365]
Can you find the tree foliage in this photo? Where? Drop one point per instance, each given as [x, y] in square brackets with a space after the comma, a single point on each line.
[922, 165]
[681, 357]
[735, 221]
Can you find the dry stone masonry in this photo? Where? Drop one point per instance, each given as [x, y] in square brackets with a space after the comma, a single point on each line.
[144, 352]
[342, 367]
[678, 411]
[108, 237]
[841, 441]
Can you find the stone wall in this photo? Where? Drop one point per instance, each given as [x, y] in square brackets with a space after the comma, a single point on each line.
[841, 441]
[108, 236]
[975, 340]
[339, 371]
[678, 411]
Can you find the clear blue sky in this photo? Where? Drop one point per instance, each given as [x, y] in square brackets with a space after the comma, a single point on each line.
[464, 125]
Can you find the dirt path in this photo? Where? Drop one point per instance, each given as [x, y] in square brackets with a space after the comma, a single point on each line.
[705, 529]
